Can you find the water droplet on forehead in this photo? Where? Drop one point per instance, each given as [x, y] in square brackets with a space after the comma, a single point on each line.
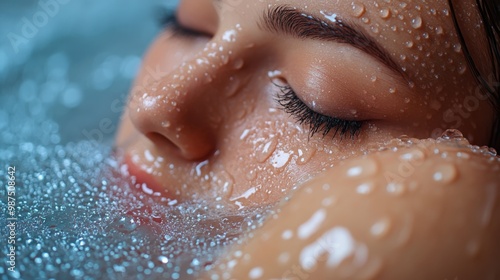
[385, 13]
[439, 30]
[358, 9]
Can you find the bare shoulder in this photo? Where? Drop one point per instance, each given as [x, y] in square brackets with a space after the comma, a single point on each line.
[428, 210]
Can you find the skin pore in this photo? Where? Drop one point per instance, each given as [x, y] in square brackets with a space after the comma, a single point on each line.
[214, 111]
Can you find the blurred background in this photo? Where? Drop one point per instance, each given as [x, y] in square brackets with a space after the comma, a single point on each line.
[66, 66]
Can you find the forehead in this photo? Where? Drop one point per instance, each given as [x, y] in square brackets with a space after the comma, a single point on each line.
[419, 35]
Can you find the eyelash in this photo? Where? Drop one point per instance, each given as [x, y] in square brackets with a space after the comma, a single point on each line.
[318, 123]
[169, 20]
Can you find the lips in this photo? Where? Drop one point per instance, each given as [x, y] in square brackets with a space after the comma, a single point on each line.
[146, 182]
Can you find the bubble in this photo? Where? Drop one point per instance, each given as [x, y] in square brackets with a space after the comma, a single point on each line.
[98, 219]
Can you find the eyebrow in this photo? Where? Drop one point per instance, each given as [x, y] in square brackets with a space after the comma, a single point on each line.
[289, 21]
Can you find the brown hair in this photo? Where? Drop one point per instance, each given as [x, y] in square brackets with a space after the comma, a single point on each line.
[490, 14]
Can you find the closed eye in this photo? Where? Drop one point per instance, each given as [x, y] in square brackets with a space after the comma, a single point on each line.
[170, 21]
[317, 123]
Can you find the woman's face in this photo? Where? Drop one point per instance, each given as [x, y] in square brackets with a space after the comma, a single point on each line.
[265, 94]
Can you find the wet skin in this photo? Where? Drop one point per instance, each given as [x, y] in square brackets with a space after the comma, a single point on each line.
[203, 119]
[437, 220]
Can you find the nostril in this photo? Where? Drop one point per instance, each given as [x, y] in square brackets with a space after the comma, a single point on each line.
[160, 140]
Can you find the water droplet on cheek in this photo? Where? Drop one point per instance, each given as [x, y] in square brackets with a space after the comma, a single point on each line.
[251, 175]
[264, 151]
[280, 159]
[223, 184]
[305, 155]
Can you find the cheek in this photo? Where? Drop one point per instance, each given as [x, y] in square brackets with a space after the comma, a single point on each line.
[270, 153]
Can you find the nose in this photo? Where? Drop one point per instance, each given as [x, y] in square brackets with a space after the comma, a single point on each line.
[177, 112]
